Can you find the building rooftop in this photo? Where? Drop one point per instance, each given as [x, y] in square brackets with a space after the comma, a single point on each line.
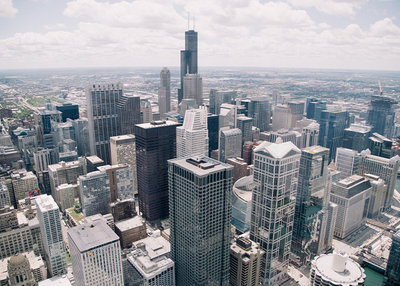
[314, 149]
[35, 262]
[91, 235]
[56, 281]
[159, 123]
[155, 245]
[130, 223]
[243, 188]
[200, 164]
[122, 137]
[46, 203]
[94, 159]
[277, 150]
[338, 269]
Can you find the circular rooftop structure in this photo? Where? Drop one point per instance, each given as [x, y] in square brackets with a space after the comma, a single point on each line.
[241, 203]
[336, 269]
[17, 260]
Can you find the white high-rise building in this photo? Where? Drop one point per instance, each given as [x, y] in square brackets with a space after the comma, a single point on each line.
[309, 132]
[95, 255]
[192, 137]
[228, 115]
[230, 143]
[347, 161]
[282, 117]
[276, 168]
[52, 237]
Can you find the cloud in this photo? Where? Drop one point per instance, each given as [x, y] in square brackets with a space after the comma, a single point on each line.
[332, 7]
[54, 27]
[7, 9]
[385, 27]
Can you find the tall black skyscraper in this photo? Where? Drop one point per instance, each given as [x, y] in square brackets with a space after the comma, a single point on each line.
[155, 144]
[381, 115]
[188, 58]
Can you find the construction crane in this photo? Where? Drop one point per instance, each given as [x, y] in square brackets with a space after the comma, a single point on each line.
[380, 87]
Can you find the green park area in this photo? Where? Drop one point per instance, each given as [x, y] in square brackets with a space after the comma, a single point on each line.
[41, 101]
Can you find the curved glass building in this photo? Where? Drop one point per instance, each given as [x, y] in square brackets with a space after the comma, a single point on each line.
[241, 203]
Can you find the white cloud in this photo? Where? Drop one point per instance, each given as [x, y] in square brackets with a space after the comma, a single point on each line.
[7, 9]
[57, 26]
[385, 27]
[332, 7]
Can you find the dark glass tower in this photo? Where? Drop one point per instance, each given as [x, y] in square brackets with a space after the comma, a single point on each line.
[392, 274]
[188, 59]
[381, 115]
[68, 110]
[155, 144]
[260, 111]
[200, 195]
[128, 113]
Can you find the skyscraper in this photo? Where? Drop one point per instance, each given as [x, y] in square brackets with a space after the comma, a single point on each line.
[230, 143]
[282, 117]
[347, 162]
[193, 88]
[245, 125]
[155, 144]
[123, 151]
[164, 92]
[200, 215]
[95, 254]
[94, 189]
[392, 273]
[310, 219]
[188, 59]
[227, 115]
[356, 137]
[274, 197]
[192, 137]
[128, 113]
[260, 111]
[102, 112]
[381, 115]
[50, 228]
[81, 128]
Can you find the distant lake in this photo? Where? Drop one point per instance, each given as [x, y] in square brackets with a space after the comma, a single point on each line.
[373, 278]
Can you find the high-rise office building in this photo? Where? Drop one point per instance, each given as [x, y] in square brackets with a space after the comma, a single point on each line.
[282, 117]
[230, 143]
[385, 168]
[260, 111]
[380, 145]
[193, 88]
[213, 132]
[310, 219]
[121, 181]
[68, 110]
[296, 111]
[218, 97]
[245, 125]
[347, 162]
[50, 228]
[314, 109]
[192, 137]
[155, 145]
[228, 115]
[378, 191]
[200, 194]
[146, 114]
[94, 191]
[392, 273]
[331, 130]
[274, 197]
[4, 195]
[241, 203]
[164, 92]
[19, 271]
[381, 114]
[128, 113]
[24, 183]
[95, 254]
[123, 151]
[356, 137]
[102, 112]
[285, 135]
[247, 261]
[352, 195]
[81, 128]
[188, 59]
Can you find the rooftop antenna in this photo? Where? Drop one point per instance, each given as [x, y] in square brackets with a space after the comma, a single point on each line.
[193, 22]
[188, 21]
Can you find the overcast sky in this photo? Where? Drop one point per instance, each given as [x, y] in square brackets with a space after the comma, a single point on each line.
[343, 34]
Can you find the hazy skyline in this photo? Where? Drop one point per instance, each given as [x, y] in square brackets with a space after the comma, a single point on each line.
[332, 34]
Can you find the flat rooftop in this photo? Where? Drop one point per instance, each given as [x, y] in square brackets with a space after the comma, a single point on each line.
[158, 123]
[46, 203]
[130, 223]
[200, 164]
[91, 235]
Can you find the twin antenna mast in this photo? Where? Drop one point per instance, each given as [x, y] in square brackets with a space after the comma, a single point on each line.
[189, 21]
